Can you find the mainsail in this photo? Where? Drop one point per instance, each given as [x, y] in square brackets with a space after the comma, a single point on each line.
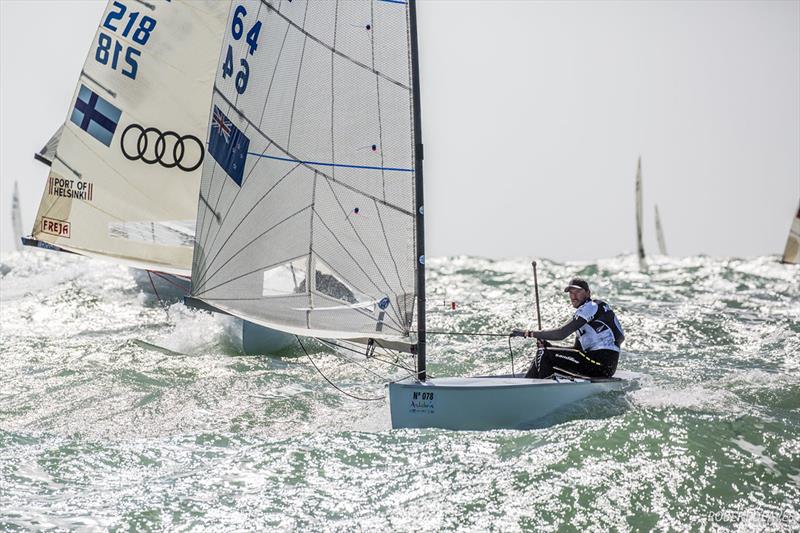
[662, 245]
[791, 254]
[125, 174]
[639, 215]
[307, 214]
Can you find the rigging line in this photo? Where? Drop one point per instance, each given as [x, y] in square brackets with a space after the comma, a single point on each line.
[384, 361]
[203, 264]
[464, 333]
[165, 278]
[207, 265]
[358, 364]
[333, 48]
[160, 301]
[358, 264]
[334, 165]
[240, 251]
[409, 370]
[285, 151]
[366, 248]
[296, 82]
[274, 70]
[331, 383]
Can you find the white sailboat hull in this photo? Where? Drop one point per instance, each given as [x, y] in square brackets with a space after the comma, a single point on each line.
[482, 403]
[254, 339]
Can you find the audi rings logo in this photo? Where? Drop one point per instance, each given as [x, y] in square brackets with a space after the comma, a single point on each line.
[169, 149]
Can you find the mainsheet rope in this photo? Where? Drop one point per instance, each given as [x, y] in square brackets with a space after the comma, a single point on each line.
[377, 399]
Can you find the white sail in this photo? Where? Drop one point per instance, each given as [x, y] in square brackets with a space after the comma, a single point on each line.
[131, 150]
[48, 151]
[16, 218]
[639, 216]
[306, 219]
[662, 245]
[791, 254]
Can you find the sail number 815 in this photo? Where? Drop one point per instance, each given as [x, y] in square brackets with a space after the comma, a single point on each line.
[237, 31]
[110, 47]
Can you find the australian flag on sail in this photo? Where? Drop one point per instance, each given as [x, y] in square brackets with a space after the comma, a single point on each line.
[95, 115]
[228, 146]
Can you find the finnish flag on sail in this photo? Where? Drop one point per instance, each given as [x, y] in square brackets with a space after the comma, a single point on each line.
[95, 115]
[228, 146]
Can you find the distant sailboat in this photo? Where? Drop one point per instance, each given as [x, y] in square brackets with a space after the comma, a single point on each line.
[662, 245]
[639, 217]
[16, 218]
[310, 213]
[791, 254]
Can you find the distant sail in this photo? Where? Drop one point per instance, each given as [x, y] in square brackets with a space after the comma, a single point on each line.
[48, 152]
[639, 215]
[16, 218]
[791, 253]
[662, 245]
[306, 220]
[124, 177]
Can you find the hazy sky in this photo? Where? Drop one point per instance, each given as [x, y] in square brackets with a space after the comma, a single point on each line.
[534, 114]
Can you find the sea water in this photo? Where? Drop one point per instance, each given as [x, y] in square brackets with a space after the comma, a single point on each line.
[118, 413]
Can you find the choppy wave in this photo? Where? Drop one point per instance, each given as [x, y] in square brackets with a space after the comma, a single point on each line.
[116, 412]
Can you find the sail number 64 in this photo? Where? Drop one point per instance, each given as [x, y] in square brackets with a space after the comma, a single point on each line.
[237, 30]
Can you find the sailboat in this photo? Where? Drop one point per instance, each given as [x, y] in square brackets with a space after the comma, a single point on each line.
[125, 166]
[310, 215]
[791, 254]
[662, 244]
[639, 217]
[16, 218]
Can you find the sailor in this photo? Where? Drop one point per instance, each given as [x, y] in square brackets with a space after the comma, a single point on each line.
[596, 349]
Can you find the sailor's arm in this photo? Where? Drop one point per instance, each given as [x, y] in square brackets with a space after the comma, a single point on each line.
[558, 334]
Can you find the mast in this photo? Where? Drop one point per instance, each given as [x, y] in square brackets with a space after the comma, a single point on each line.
[418, 193]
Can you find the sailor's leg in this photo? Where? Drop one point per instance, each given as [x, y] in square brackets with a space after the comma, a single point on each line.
[598, 363]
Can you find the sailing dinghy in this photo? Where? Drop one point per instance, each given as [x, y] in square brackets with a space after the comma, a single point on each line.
[640, 217]
[310, 215]
[662, 244]
[125, 167]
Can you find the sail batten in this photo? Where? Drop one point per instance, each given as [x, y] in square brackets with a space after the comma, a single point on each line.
[306, 219]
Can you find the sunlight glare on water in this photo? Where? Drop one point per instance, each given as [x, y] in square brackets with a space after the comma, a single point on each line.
[116, 412]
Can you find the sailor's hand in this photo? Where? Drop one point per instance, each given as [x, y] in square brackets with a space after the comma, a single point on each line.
[519, 333]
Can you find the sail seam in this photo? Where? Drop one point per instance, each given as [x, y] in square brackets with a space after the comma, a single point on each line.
[279, 147]
[333, 48]
[241, 221]
[241, 250]
[272, 78]
[296, 83]
[366, 275]
[366, 248]
[221, 221]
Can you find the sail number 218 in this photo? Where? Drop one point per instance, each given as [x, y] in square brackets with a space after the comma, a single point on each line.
[237, 31]
[110, 47]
